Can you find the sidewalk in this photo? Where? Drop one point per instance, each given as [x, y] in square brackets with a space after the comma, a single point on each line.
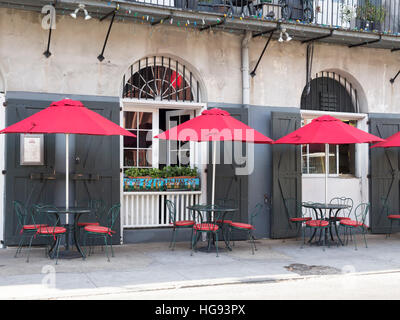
[153, 266]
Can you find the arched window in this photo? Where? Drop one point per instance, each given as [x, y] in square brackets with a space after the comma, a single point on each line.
[160, 79]
[330, 92]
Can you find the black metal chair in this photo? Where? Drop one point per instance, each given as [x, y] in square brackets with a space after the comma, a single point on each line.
[360, 213]
[25, 224]
[296, 215]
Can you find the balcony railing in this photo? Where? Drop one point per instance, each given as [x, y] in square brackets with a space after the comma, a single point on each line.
[378, 16]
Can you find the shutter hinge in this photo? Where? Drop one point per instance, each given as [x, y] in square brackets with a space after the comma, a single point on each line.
[368, 176]
[5, 104]
[3, 171]
[120, 170]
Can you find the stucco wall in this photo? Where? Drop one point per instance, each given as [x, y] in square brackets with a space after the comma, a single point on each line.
[215, 57]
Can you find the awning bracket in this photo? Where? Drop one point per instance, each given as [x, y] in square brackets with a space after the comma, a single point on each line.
[319, 38]
[113, 13]
[365, 42]
[271, 32]
[392, 80]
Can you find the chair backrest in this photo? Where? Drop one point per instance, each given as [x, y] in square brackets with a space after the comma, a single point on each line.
[112, 215]
[346, 201]
[227, 202]
[20, 211]
[98, 206]
[385, 206]
[292, 207]
[171, 210]
[308, 212]
[255, 211]
[46, 214]
[361, 211]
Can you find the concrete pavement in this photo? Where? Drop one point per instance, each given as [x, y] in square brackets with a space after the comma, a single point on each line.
[147, 267]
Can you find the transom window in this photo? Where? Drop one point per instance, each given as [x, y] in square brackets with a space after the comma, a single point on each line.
[160, 79]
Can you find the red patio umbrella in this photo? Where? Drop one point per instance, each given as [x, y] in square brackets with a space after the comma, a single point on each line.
[69, 117]
[392, 141]
[327, 130]
[214, 125]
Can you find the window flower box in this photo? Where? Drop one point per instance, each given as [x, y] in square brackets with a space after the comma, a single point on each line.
[161, 184]
[168, 178]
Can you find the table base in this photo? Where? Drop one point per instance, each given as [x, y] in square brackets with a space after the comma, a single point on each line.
[68, 254]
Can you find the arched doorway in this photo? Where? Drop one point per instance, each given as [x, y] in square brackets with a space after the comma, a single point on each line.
[332, 93]
[158, 93]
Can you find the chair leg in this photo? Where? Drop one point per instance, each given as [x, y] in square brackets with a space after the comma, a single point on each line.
[365, 239]
[216, 242]
[355, 241]
[29, 250]
[112, 250]
[57, 248]
[106, 245]
[251, 242]
[19, 247]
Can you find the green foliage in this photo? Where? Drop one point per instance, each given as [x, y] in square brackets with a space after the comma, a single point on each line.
[166, 172]
[371, 12]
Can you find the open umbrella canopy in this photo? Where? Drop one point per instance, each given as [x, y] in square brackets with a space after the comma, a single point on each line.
[67, 116]
[327, 130]
[214, 125]
[392, 141]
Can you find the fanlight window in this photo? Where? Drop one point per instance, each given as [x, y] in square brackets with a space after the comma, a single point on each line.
[160, 79]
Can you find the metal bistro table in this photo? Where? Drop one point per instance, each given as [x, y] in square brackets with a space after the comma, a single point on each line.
[209, 209]
[332, 216]
[72, 229]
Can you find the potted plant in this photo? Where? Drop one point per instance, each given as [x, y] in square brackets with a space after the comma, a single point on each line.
[370, 17]
[347, 13]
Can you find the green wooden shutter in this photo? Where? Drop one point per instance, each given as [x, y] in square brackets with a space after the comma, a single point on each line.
[228, 185]
[286, 173]
[25, 183]
[97, 174]
[385, 175]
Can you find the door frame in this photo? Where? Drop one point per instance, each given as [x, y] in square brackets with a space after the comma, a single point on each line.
[2, 166]
[154, 106]
[168, 116]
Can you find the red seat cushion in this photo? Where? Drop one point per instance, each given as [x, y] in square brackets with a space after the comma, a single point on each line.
[51, 230]
[301, 219]
[84, 224]
[33, 226]
[394, 216]
[184, 223]
[205, 227]
[224, 221]
[99, 229]
[241, 225]
[352, 223]
[317, 223]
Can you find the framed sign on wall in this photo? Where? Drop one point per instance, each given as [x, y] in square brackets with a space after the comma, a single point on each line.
[32, 149]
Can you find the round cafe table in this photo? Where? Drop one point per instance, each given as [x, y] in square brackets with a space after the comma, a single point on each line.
[72, 229]
[209, 210]
[321, 210]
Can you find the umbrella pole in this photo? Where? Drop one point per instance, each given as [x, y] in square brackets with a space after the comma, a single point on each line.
[213, 177]
[326, 171]
[67, 175]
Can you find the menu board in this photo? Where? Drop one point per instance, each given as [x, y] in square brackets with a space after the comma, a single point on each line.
[32, 149]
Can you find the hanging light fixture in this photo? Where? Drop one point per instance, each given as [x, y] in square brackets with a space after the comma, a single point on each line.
[280, 37]
[287, 37]
[81, 7]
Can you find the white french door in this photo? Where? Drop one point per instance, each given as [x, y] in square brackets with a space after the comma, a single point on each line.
[179, 152]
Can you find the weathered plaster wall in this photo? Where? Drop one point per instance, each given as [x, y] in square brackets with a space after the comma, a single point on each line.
[214, 57]
[369, 71]
[74, 68]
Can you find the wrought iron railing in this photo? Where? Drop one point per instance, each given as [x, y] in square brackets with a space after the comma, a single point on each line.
[379, 16]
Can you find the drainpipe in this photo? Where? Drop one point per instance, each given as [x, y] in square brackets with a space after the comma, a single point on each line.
[246, 69]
